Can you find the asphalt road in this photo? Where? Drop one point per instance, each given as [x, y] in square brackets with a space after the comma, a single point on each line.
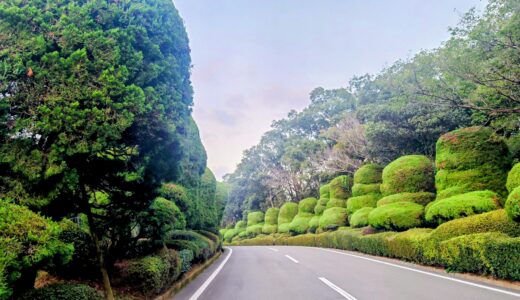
[286, 272]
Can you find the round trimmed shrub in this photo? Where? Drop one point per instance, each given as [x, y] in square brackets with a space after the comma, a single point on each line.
[325, 191]
[307, 205]
[356, 203]
[314, 223]
[359, 189]
[368, 174]
[470, 148]
[513, 178]
[254, 230]
[57, 291]
[411, 173]
[334, 202]
[287, 212]
[284, 228]
[462, 205]
[254, 218]
[398, 216]
[333, 218]
[340, 187]
[421, 198]
[450, 183]
[321, 206]
[360, 217]
[300, 223]
[241, 224]
[269, 229]
[513, 205]
[271, 216]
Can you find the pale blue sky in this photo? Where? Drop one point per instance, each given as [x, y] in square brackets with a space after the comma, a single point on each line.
[255, 60]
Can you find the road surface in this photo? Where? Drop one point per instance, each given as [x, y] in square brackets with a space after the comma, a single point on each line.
[289, 272]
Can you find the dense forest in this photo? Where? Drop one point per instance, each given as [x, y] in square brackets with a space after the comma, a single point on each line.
[472, 79]
[103, 175]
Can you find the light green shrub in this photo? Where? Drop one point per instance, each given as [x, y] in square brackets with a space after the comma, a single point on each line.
[308, 240]
[271, 216]
[360, 217]
[307, 205]
[355, 203]
[368, 174]
[513, 178]
[408, 245]
[287, 212]
[241, 224]
[411, 173]
[451, 183]
[421, 198]
[300, 223]
[462, 205]
[284, 228]
[334, 202]
[397, 216]
[314, 223]
[254, 218]
[325, 191]
[321, 206]
[333, 218]
[513, 205]
[340, 187]
[269, 229]
[359, 189]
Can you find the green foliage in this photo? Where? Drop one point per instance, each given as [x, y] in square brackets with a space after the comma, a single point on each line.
[356, 203]
[29, 242]
[340, 187]
[408, 245]
[186, 257]
[164, 217]
[175, 193]
[300, 223]
[462, 205]
[206, 246]
[397, 216]
[360, 217]
[325, 191]
[512, 206]
[307, 205]
[241, 225]
[513, 178]
[359, 189]
[333, 218]
[422, 198]
[368, 174]
[59, 291]
[451, 183]
[321, 205]
[284, 227]
[334, 202]
[412, 173]
[314, 223]
[286, 215]
[254, 230]
[254, 218]
[271, 216]
[269, 229]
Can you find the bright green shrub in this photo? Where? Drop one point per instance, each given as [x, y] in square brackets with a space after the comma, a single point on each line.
[340, 187]
[230, 234]
[368, 174]
[269, 229]
[408, 245]
[325, 191]
[359, 189]
[397, 216]
[63, 291]
[287, 213]
[308, 240]
[326, 239]
[164, 216]
[334, 202]
[513, 178]
[223, 231]
[513, 205]
[321, 206]
[411, 173]
[28, 242]
[254, 218]
[490, 253]
[374, 244]
[307, 205]
[463, 205]
[175, 193]
[355, 203]
[241, 224]
[421, 198]
[360, 217]
[314, 223]
[450, 183]
[271, 216]
[284, 228]
[333, 218]
[300, 223]
[254, 230]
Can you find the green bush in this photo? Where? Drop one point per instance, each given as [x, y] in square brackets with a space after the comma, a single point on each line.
[412, 174]
[63, 291]
[284, 228]
[163, 217]
[513, 205]
[421, 198]
[314, 223]
[340, 187]
[300, 223]
[321, 205]
[325, 191]
[360, 217]
[470, 148]
[223, 231]
[271, 216]
[451, 183]
[230, 234]
[307, 205]
[180, 245]
[368, 174]
[397, 216]
[463, 205]
[254, 218]
[308, 240]
[186, 257]
[269, 229]
[513, 178]
[254, 230]
[360, 189]
[207, 246]
[490, 253]
[287, 213]
[28, 242]
[408, 245]
[334, 202]
[241, 225]
[333, 218]
[356, 203]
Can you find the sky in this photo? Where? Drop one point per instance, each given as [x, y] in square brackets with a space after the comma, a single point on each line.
[255, 60]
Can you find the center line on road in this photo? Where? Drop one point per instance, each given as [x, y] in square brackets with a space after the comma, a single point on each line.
[206, 283]
[291, 258]
[273, 249]
[337, 289]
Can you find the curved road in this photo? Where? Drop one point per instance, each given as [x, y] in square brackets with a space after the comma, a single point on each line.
[288, 272]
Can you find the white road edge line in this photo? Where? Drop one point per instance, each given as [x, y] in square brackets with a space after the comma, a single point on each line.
[337, 289]
[206, 283]
[273, 249]
[291, 258]
[428, 273]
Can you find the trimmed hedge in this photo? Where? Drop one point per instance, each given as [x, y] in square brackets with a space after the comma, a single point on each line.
[463, 205]
[334, 202]
[300, 223]
[368, 174]
[314, 223]
[340, 187]
[451, 183]
[408, 245]
[360, 217]
[356, 203]
[333, 218]
[307, 205]
[63, 291]
[411, 173]
[325, 191]
[321, 205]
[287, 212]
[513, 205]
[254, 218]
[513, 178]
[421, 198]
[359, 189]
[271, 216]
[397, 216]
